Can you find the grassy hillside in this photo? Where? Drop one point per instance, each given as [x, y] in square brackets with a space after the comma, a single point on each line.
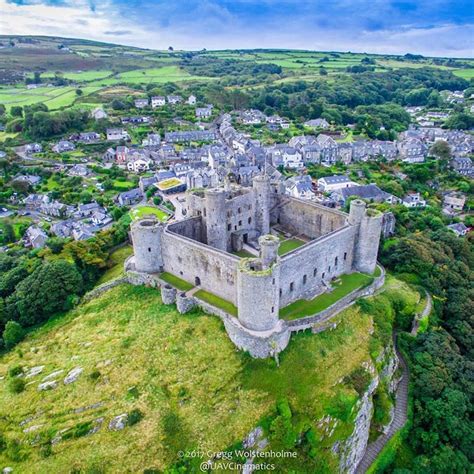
[183, 374]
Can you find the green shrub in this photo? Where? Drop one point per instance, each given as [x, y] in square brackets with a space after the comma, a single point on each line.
[16, 385]
[15, 370]
[359, 379]
[94, 375]
[134, 417]
[12, 334]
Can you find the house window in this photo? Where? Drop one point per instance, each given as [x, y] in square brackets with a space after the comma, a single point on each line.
[315, 272]
[292, 286]
[345, 256]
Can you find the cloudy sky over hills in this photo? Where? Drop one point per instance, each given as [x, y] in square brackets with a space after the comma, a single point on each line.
[429, 27]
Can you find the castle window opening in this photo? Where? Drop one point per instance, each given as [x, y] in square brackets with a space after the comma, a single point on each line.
[281, 292]
[273, 309]
[315, 272]
[197, 281]
[304, 279]
[273, 281]
[335, 262]
[322, 276]
[240, 223]
[229, 227]
[205, 212]
[345, 256]
[329, 269]
[249, 220]
[149, 249]
[239, 210]
[292, 286]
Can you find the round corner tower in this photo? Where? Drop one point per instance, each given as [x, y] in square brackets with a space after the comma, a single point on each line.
[216, 218]
[367, 239]
[146, 238]
[262, 189]
[258, 283]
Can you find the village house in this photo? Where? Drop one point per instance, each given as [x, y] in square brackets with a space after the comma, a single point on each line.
[31, 179]
[252, 117]
[79, 170]
[412, 150]
[98, 114]
[138, 163]
[152, 140]
[453, 203]
[35, 237]
[328, 184]
[129, 198]
[191, 100]
[300, 187]
[369, 192]
[158, 101]
[140, 103]
[117, 134]
[413, 200]
[201, 178]
[463, 165]
[459, 229]
[203, 112]
[63, 146]
[33, 202]
[174, 99]
[31, 148]
[190, 136]
[317, 123]
[328, 149]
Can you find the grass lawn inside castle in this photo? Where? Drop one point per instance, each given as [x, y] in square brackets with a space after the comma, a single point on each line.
[344, 285]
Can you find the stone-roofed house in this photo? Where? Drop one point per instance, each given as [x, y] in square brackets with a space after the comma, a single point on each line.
[174, 99]
[453, 203]
[31, 179]
[370, 192]
[300, 187]
[317, 123]
[31, 148]
[203, 112]
[141, 103]
[328, 149]
[413, 200]
[463, 165]
[158, 101]
[99, 114]
[128, 198]
[459, 229]
[117, 134]
[35, 237]
[412, 150]
[146, 182]
[63, 146]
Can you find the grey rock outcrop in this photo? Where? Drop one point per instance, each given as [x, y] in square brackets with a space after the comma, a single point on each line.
[118, 422]
[73, 375]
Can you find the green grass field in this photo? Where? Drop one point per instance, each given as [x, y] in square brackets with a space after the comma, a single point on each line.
[342, 287]
[186, 377]
[464, 73]
[177, 282]
[142, 211]
[214, 300]
[288, 245]
[115, 263]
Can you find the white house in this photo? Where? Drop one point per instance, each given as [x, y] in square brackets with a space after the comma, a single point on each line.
[158, 101]
[115, 134]
[328, 184]
[413, 200]
[191, 100]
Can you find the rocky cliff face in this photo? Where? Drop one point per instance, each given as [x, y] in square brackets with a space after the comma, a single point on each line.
[353, 449]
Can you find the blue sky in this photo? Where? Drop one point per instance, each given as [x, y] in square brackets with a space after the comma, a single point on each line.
[429, 27]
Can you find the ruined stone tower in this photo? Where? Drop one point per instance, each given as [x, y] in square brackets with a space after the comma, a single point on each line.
[261, 186]
[366, 242]
[215, 211]
[258, 283]
[146, 237]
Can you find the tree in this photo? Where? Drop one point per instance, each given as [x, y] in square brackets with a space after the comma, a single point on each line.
[46, 291]
[16, 111]
[12, 334]
[79, 92]
[441, 150]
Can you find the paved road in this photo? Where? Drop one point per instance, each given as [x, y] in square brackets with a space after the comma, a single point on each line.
[400, 418]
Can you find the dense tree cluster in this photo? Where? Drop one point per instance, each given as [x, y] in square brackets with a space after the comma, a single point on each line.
[37, 284]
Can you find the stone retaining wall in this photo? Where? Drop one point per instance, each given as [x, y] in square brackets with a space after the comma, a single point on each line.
[103, 288]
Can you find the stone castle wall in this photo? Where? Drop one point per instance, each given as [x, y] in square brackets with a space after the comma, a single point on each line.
[189, 259]
[304, 270]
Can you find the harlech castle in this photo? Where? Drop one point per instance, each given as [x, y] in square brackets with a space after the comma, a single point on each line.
[219, 225]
